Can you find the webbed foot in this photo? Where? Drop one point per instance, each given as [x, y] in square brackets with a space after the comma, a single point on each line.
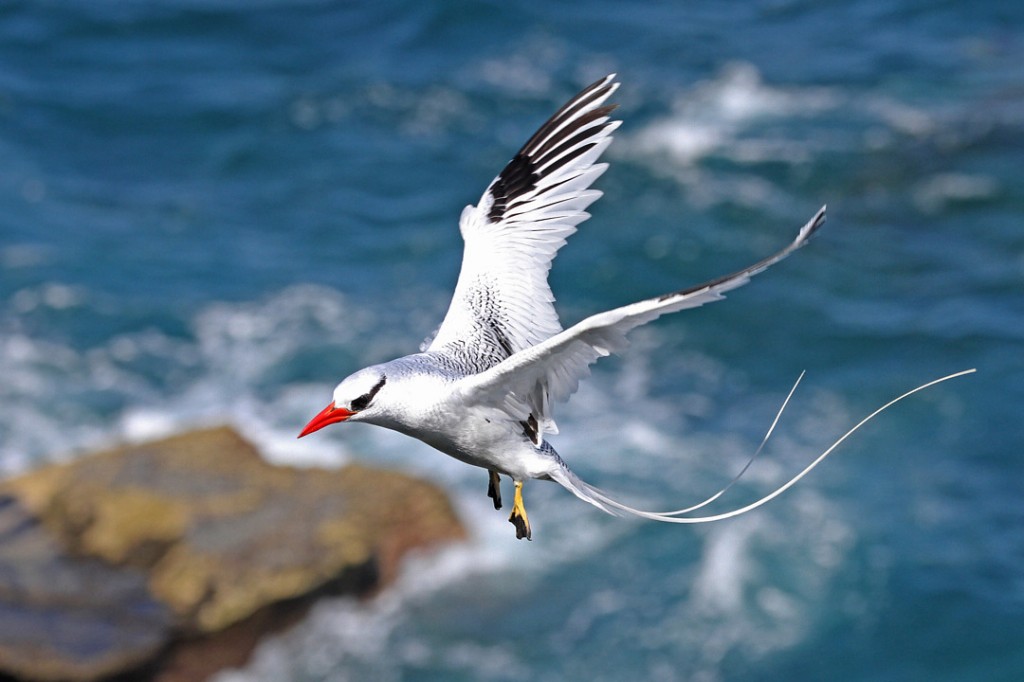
[518, 517]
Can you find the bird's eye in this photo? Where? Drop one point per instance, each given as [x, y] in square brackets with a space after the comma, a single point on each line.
[363, 401]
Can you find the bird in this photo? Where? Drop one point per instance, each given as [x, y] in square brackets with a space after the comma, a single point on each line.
[484, 387]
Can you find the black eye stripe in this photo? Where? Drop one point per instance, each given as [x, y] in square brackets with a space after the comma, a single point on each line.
[380, 385]
[363, 401]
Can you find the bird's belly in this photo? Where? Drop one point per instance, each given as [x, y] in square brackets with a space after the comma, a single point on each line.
[487, 440]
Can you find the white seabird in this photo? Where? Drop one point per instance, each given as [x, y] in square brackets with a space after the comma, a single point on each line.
[483, 389]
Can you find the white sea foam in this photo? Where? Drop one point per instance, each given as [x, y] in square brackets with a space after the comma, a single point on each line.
[738, 117]
[233, 369]
[938, 192]
[716, 115]
[22, 256]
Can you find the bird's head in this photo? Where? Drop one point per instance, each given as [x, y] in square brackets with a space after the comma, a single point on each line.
[353, 399]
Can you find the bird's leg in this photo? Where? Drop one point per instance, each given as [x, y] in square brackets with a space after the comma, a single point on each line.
[518, 517]
[494, 489]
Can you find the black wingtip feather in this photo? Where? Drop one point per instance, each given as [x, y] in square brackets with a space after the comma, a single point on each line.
[595, 90]
[549, 146]
[517, 178]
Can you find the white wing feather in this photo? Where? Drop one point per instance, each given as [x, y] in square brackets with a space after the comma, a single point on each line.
[560, 362]
[502, 302]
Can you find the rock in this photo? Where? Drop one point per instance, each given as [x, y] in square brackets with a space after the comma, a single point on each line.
[63, 617]
[205, 544]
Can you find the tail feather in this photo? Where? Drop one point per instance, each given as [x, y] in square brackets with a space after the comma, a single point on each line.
[588, 493]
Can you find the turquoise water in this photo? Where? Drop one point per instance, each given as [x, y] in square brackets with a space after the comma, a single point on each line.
[212, 211]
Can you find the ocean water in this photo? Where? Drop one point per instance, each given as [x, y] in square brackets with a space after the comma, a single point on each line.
[212, 210]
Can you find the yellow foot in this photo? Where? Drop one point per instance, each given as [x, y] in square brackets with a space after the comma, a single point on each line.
[518, 517]
[494, 489]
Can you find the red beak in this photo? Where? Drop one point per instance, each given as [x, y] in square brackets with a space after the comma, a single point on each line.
[330, 415]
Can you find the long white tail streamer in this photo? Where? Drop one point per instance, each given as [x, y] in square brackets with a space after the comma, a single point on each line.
[738, 476]
[601, 500]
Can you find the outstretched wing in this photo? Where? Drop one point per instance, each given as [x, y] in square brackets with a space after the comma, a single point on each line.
[502, 303]
[559, 363]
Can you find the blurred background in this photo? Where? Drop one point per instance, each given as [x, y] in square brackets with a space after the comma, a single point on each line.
[212, 210]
